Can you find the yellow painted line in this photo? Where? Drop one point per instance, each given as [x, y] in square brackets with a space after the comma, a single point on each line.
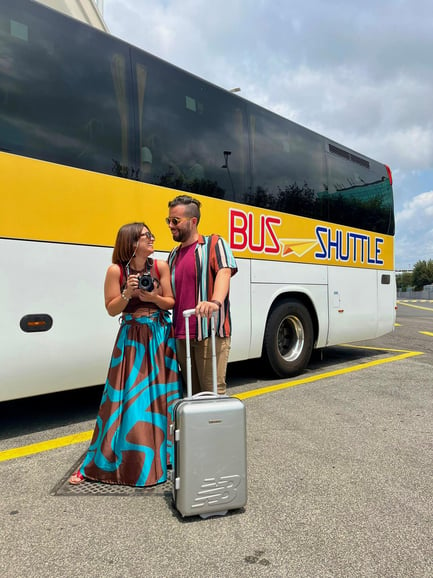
[45, 446]
[415, 306]
[349, 345]
[414, 300]
[280, 386]
[371, 348]
[86, 436]
[426, 333]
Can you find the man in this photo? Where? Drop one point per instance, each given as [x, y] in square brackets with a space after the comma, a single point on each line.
[201, 268]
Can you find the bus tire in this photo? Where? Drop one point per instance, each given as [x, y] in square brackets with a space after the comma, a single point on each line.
[288, 339]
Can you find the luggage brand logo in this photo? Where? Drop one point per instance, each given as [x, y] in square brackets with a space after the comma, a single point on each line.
[217, 491]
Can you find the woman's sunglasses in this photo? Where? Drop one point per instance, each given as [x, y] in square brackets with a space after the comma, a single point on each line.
[148, 235]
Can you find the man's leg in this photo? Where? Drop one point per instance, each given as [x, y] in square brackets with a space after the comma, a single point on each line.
[181, 358]
[203, 362]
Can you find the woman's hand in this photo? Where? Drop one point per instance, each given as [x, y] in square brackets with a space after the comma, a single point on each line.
[150, 296]
[131, 286]
[115, 299]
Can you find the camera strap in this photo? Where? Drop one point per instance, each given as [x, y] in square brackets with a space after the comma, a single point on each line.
[147, 268]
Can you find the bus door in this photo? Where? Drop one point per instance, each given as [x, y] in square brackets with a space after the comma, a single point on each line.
[353, 304]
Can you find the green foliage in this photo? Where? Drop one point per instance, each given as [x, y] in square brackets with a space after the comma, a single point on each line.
[404, 281]
[422, 274]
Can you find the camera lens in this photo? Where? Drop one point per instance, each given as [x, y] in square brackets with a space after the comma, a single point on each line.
[145, 282]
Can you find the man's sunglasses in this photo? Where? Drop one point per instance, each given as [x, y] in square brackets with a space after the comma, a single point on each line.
[176, 220]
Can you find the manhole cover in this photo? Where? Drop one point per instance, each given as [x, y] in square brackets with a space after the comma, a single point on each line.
[88, 488]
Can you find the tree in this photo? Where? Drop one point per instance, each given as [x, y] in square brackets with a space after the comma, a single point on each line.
[404, 281]
[422, 274]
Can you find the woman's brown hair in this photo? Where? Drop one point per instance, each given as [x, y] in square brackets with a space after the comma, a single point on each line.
[126, 242]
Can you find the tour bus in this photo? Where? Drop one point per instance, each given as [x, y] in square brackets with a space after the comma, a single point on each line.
[95, 133]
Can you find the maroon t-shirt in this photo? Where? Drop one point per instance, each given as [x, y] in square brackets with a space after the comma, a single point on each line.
[185, 283]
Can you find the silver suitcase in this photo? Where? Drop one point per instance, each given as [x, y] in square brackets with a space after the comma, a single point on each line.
[210, 466]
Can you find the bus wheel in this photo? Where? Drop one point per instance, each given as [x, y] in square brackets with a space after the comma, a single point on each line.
[288, 340]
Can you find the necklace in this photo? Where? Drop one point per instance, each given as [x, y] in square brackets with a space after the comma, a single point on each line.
[146, 269]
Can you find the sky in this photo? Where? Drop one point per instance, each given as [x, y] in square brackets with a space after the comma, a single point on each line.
[357, 72]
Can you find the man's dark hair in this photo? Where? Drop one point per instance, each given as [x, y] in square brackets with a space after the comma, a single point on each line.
[192, 206]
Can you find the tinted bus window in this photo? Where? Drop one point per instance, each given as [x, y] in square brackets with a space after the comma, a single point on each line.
[360, 194]
[287, 164]
[192, 135]
[64, 91]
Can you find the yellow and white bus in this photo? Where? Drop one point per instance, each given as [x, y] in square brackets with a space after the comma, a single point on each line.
[95, 133]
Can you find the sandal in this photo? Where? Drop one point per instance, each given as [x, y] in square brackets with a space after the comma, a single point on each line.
[77, 478]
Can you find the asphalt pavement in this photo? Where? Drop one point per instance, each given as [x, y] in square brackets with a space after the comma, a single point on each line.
[339, 482]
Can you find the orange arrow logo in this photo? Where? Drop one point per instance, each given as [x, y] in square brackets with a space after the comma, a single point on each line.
[297, 246]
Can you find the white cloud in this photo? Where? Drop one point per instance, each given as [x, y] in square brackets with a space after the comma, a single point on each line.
[417, 211]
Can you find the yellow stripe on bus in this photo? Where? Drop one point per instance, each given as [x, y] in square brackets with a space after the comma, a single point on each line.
[68, 205]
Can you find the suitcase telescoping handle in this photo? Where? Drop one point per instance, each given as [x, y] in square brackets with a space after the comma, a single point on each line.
[187, 314]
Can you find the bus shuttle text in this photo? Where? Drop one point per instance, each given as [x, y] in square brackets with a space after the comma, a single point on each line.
[242, 235]
[258, 234]
[357, 248]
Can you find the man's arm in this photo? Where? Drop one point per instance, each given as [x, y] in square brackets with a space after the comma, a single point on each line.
[220, 292]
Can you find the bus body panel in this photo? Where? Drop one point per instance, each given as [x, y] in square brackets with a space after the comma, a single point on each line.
[290, 273]
[356, 304]
[264, 295]
[387, 302]
[65, 282]
[240, 307]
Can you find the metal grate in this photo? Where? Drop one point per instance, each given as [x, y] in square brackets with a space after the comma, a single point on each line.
[88, 488]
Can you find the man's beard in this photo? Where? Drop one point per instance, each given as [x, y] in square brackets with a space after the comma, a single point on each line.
[182, 236]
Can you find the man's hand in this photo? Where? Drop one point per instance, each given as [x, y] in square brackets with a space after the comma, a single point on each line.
[206, 309]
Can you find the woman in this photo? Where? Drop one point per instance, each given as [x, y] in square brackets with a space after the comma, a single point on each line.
[131, 442]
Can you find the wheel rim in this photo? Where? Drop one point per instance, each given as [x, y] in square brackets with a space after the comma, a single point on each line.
[290, 338]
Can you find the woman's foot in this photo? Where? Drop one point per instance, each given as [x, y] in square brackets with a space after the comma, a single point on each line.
[76, 478]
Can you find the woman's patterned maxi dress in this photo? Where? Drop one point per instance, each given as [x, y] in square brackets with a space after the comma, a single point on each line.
[131, 442]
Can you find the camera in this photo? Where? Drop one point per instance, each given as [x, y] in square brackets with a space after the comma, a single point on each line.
[145, 282]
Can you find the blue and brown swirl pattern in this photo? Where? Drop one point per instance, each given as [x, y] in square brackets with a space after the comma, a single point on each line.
[131, 442]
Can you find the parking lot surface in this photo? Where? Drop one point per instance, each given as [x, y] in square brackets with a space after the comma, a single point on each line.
[339, 480]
